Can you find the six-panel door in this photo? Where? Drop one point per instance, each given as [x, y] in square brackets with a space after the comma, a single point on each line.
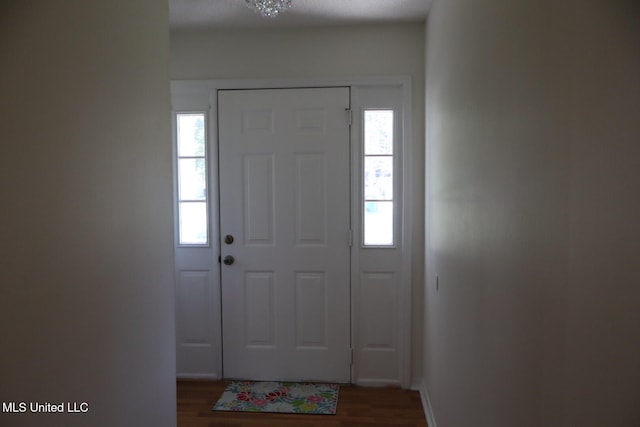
[284, 200]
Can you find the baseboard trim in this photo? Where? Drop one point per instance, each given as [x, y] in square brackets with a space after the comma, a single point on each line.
[377, 383]
[197, 377]
[426, 405]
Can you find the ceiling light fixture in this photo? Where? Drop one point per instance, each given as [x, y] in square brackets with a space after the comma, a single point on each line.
[269, 8]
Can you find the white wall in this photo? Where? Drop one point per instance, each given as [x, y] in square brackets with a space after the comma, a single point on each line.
[323, 53]
[87, 299]
[532, 211]
[602, 105]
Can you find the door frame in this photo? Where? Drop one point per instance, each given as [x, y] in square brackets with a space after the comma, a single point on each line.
[205, 93]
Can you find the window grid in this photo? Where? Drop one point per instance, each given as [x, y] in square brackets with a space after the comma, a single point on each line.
[378, 178]
[192, 179]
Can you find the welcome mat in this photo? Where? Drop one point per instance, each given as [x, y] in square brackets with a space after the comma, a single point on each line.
[281, 397]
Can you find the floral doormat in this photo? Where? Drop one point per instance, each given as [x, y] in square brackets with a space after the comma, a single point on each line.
[269, 396]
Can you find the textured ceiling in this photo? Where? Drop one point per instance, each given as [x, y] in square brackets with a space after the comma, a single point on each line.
[228, 14]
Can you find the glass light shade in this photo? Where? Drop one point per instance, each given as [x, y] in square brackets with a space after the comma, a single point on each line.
[269, 8]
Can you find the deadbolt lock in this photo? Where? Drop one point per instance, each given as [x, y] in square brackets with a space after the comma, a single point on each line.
[228, 239]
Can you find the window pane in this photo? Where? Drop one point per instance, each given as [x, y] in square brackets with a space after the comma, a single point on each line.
[378, 178]
[191, 140]
[378, 132]
[192, 179]
[378, 223]
[193, 223]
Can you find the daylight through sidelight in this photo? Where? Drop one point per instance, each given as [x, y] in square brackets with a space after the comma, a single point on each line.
[192, 179]
[378, 178]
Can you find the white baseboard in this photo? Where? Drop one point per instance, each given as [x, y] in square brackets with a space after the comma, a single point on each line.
[377, 383]
[426, 405]
[181, 376]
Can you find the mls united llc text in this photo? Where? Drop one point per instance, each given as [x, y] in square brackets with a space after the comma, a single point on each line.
[46, 407]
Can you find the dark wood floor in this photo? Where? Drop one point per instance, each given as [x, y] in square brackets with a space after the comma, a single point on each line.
[357, 406]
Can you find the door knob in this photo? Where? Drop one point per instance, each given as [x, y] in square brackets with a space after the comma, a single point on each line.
[228, 260]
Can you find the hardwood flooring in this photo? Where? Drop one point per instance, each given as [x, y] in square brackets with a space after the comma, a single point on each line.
[357, 406]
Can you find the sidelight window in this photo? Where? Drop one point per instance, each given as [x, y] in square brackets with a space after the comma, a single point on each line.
[378, 178]
[192, 179]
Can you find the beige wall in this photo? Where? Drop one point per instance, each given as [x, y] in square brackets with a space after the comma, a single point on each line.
[532, 210]
[323, 53]
[86, 311]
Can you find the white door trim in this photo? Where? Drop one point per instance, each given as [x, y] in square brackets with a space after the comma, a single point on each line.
[210, 87]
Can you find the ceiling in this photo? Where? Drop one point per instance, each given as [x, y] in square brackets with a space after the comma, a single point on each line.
[229, 14]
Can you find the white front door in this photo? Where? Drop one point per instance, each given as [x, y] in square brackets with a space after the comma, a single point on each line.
[284, 161]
